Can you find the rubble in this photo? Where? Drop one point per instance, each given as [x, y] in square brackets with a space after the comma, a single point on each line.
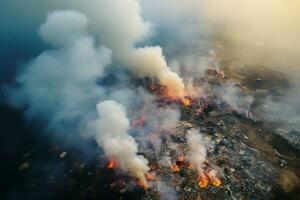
[250, 161]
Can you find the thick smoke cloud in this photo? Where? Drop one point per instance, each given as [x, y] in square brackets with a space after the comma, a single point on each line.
[254, 34]
[256, 30]
[121, 31]
[270, 36]
[262, 32]
[112, 135]
[60, 82]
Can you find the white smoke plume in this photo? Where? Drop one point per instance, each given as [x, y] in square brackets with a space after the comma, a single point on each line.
[111, 133]
[60, 84]
[120, 26]
[121, 31]
[197, 155]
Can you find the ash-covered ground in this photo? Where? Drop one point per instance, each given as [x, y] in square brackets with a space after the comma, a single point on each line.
[255, 159]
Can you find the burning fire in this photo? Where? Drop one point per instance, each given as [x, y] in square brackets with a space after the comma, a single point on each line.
[175, 168]
[111, 164]
[163, 91]
[203, 180]
[166, 96]
[216, 182]
[150, 176]
[143, 184]
[186, 102]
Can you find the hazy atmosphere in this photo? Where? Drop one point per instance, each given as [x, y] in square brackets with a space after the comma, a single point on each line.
[140, 99]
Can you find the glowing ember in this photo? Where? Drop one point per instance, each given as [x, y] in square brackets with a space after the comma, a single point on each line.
[143, 184]
[209, 178]
[150, 176]
[216, 182]
[203, 180]
[186, 102]
[175, 168]
[162, 91]
[111, 164]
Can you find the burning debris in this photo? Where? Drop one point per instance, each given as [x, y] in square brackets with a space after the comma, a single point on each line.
[111, 164]
[116, 142]
[175, 168]
[174, 139]
[203, 180]
[209, 154]
[186, 102]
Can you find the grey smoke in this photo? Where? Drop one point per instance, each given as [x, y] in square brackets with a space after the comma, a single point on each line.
[234, 97]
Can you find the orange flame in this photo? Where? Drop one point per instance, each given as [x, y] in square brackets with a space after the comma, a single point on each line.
[150, 176]
[216, 182]
[143, 184]
[111, 164]
[175, 168]
[186, 102]
[203, 180]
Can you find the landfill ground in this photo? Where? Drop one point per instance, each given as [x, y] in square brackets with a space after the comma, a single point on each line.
[256, 159]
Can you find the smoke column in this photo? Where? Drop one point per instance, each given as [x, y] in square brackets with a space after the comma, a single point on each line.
[197, 155]
[121, 31]
[60, 84]
[111, 133]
